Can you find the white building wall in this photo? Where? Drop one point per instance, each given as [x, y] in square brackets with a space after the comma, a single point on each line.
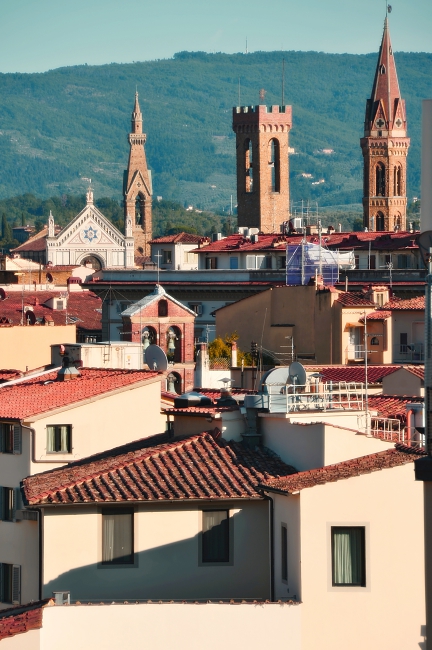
[166, 544]
[153, 626]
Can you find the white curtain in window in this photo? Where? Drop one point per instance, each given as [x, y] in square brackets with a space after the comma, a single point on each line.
[347, 556]
[50, 438]
[64, 438]
[108, 522]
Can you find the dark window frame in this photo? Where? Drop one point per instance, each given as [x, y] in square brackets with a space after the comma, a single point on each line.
[7, 437]
[362, 582]
[284, 553]
[7, 502]
[130, 559]
[206, 558]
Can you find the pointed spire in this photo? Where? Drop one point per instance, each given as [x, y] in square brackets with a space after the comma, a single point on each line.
[51, 225]
[385, 110]
[136, 116]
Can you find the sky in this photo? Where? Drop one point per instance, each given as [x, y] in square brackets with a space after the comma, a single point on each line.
[39, 35]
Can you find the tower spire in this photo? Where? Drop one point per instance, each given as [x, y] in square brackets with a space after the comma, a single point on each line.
[385, 145]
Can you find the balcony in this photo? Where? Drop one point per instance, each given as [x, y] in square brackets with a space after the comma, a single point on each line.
[408, 353]
[354, 353]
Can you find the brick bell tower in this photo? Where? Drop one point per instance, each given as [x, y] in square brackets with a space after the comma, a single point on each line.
[385, 147]
[262, 165]
[137, 186]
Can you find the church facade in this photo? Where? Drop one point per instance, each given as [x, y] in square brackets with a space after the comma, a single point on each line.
[90, 239]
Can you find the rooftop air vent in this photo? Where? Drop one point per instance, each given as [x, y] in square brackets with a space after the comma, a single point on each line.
[192, 399]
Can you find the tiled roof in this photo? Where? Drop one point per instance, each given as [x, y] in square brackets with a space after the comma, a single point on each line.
[377, 315]
[35, 243]
[392, 406]
[7, 375]
[34, 395]
[81, 305]
[353, 373]
[336, 240]
[397, 304]
[387, 459]
[418, 371]
[353, 299]
[180, 238]
[197, 467]
[152, 297]
[21, 618]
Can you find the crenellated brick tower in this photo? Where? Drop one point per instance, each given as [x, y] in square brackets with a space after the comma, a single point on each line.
[385, 147]
[262, 165]
[137, 186]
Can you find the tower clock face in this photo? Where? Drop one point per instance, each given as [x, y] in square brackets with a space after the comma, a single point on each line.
[379, 123]
[398, 123]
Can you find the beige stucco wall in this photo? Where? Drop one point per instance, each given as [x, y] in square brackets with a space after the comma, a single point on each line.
[30, 346]
[102, 423]
[310, 445]
[402, 382]
[153, 626]
[231, 423]
[166, 543]
[390, 611]
[19, 544]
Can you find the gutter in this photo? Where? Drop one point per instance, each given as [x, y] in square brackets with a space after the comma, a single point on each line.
[121, 504]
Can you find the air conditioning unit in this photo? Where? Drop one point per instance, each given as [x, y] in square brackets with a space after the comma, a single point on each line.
[61, 597]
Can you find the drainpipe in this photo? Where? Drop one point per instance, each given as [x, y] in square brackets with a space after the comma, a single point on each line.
[33, 448]
[409, 415]
[271, 526]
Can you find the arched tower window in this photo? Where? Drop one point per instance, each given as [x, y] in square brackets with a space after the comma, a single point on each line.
[380, 182]
[248, 166]
[174, 344]
[139, 210]
[162, 308]
[379, 220]
[397, 180]
[274, 162]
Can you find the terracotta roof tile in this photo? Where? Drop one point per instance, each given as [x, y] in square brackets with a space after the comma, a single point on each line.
[35, 395]
[353, 373]
[353, 299]
[196, 467]
[21, 618]
[392, 406]
[7, 375]
[398, 304]
[376, 315]
[81, 305]
[387, 459]
[179, 238]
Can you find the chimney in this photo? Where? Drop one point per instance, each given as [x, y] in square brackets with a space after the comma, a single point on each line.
[233, 354]
[68, 371]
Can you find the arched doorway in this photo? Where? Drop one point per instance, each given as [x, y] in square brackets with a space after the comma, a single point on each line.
[92, 262]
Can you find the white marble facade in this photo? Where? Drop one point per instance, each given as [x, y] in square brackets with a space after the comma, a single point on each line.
[90, 238]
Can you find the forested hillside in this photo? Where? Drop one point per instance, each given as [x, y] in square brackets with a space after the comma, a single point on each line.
[69, 123]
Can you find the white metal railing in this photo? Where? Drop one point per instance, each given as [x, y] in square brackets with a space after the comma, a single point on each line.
[285, 398]
[408, 352]
[390, 429]
[353, 352]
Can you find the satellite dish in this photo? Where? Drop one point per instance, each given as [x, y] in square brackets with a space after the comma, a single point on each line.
[297, 373]
[276, 376]
[2, 294]
[156, 358]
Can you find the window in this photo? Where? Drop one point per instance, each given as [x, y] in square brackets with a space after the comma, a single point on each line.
[379, 299]
[372, 262]
[167, 258]
[215, 536]
[197, 308]
[211, 263]
[10, 583]
[117, 537]
[357, 261]
[59, 438]
[380, 180]
[10, 438]
[162, 308]
[403, 342]
[374, 340]
[274, 164]
[248, 166]
[284, 553]
[234, 263]
[403, 261]
[7, 504]
[348, 556]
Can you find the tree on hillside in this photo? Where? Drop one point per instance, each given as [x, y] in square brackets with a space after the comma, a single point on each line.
[6, 230]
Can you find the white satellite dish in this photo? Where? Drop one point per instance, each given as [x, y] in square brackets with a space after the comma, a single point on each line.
[297, 374]
[156, 358]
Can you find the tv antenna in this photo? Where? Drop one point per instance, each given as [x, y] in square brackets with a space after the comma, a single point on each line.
[283, 82]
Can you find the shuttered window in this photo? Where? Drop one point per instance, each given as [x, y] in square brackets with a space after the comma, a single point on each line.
[59, 438]
[10, 583]
[10, 438]
[7, 504]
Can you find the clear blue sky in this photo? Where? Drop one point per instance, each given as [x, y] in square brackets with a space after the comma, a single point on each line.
[38, 35]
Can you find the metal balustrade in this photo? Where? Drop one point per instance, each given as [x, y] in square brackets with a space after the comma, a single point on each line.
[315, 396]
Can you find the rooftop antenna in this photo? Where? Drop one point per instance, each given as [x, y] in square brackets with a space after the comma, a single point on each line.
[283, 82]
[262, 94]
[239, 102]
[246, 51]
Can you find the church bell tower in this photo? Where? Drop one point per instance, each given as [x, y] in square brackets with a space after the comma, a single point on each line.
[385, 147]
[137, 186]
[262, 165]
